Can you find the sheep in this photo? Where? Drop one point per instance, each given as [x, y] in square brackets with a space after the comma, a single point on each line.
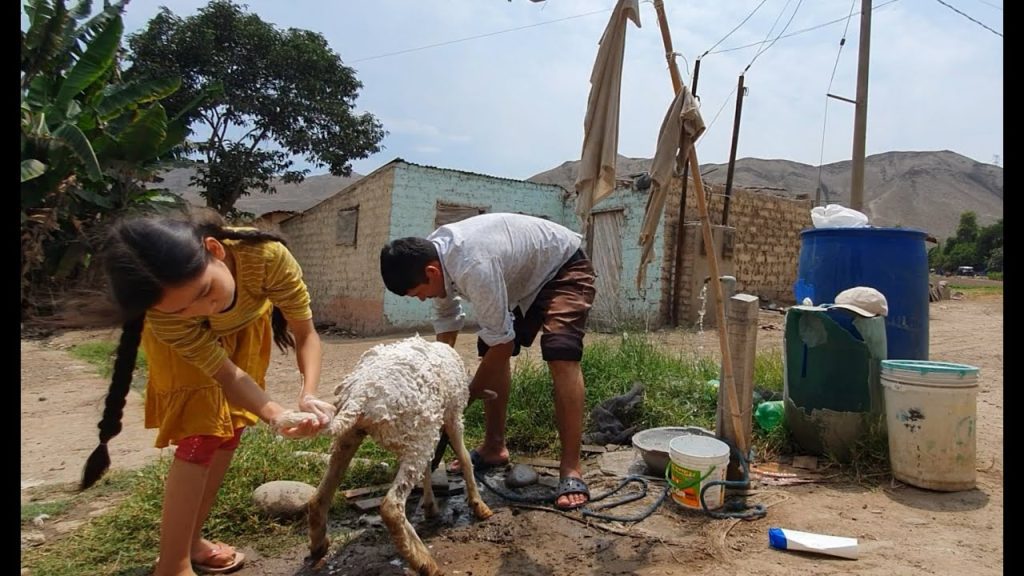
[400, 394]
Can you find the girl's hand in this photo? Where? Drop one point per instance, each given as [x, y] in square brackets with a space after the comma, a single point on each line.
[324, 411]
[295, 424]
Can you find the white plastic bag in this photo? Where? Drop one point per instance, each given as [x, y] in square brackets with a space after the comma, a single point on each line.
[836, 216]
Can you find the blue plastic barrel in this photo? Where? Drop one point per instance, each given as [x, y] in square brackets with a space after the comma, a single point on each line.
[893, 261]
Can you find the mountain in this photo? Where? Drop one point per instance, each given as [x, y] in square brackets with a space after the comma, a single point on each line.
[288, 198]
[924, 190]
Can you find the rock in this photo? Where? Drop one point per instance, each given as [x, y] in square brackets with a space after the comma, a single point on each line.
[283, 498]
[32, 539]
[520, 475]
[370, 521]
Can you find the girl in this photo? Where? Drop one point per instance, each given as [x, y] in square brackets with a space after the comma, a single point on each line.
[205, 301]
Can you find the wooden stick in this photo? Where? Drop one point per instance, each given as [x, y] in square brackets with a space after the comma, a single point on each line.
[729, 382]
[723, 336]
[666, 39]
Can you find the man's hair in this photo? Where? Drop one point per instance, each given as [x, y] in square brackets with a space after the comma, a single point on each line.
[402, 263]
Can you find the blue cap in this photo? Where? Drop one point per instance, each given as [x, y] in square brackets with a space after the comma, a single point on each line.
[777, 538]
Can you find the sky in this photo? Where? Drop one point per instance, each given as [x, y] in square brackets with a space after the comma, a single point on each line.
[500, 87]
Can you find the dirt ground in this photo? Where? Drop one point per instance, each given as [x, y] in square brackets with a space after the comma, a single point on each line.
[901, 529]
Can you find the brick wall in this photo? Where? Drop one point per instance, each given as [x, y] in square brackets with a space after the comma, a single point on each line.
[766, 242]
[344, 281]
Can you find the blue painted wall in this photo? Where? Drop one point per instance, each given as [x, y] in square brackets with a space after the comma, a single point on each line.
[636, 305]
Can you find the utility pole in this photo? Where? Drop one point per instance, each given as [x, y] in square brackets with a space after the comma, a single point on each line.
[740, 92]
[860, 119]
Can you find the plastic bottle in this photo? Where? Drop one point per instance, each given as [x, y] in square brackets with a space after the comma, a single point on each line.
[769, 414]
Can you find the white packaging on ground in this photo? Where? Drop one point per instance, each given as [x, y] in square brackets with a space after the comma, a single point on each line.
[786, 539]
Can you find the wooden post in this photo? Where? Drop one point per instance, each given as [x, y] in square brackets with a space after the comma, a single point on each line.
[742, 312]
[860, 118]
[677, 271]
[732, 152]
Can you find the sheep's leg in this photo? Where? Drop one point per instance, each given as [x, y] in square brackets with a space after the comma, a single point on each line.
[427, 502]
[392, 511]
[342, 450]
[454, 428]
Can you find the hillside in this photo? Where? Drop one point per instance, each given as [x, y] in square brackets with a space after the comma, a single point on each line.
[925, 190]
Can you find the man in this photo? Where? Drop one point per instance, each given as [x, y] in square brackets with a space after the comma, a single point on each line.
[523, 275]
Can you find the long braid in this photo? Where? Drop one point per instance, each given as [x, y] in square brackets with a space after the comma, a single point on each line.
[282, 336]
[120, 383]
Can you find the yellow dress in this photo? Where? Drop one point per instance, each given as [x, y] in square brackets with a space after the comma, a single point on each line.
[182, 397]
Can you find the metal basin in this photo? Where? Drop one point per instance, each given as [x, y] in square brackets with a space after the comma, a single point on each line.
[652, 444]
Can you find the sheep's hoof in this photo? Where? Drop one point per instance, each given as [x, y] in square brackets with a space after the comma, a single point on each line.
[431, 511]
[317, 553]
[481, 510]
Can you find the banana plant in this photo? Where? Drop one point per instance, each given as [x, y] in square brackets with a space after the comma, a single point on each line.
[89, 142]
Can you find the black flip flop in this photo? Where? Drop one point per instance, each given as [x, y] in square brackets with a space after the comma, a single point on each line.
[571, 485]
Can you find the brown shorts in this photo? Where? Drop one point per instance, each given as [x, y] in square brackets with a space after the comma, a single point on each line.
[560, 310]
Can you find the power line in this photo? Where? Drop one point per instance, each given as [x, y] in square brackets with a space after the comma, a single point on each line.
[791, 34]
[824, 121]
[969, 18]
[772, 29]
[706, 52]
[478, 36]
[842, 42]
[784, 28]
[1000, 8]
[722, 107]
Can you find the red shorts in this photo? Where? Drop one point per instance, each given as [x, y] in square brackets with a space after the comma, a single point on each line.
[199, 449]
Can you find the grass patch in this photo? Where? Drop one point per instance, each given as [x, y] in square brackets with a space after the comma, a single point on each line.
[676, 394]
[30, 510]
[977, 290]
[125, 540]
[101, 354]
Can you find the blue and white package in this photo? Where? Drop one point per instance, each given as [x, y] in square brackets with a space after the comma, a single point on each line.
[786, 539]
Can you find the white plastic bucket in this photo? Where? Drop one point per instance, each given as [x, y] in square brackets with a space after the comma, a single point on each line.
[931, 408]
[694, 461]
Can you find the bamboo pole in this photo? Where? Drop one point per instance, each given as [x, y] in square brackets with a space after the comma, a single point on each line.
[728, 381]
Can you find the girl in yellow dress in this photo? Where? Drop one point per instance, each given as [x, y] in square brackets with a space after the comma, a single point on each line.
[205, 301]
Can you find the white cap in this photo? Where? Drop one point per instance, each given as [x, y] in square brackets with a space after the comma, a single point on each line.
[862, 300]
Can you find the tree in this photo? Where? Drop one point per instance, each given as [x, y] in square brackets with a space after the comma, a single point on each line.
[995, 260]
[990, 238]
[88, 140]
[967, 230]
[285, 94]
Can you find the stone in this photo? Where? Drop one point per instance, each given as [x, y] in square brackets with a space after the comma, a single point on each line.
[520, 475]
[283, 498]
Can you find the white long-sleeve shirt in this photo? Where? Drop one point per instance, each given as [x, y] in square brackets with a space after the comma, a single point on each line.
[497, 262]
